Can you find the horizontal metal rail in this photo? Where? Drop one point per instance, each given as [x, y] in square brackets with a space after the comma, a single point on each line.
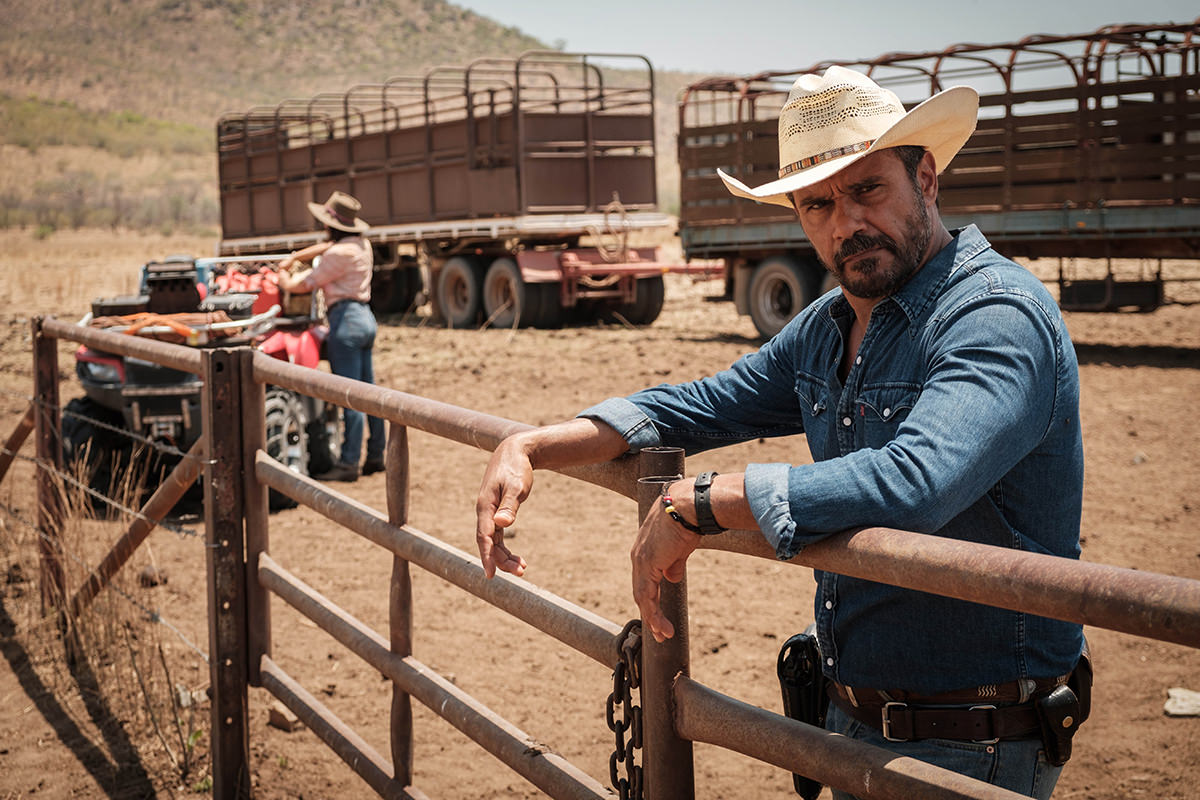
[704, 715]
[1130, 601]
[1146, 604]
[473, 428]
[570, 624]
[543, 768]
[176, 356]
[366, 762]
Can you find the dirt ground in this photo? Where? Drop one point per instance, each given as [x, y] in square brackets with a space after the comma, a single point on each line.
[87, 733]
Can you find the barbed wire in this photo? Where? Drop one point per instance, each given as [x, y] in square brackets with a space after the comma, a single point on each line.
[157, 444]
[150, 614]
[111, 502]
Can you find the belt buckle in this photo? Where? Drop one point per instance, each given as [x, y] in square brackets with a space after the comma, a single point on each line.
[886, 720]
[984, 708]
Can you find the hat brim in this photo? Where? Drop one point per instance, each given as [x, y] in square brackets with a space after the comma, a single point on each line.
[322, 214]
[942, 124]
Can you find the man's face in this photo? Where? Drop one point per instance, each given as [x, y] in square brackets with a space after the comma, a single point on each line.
[869, 224]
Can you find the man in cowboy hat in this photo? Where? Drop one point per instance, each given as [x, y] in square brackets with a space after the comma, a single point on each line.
[344, 274]
[938, 392]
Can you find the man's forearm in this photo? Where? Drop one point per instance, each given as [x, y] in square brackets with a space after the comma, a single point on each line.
[571, 443]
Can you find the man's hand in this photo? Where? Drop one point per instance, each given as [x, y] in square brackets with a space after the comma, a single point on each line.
[660, 551]
[509, 478]
[506, 484]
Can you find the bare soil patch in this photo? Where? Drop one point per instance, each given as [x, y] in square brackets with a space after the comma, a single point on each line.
[63, 736]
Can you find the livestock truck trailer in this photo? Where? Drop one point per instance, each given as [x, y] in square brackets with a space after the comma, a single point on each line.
[1088, 147]
[510, 191]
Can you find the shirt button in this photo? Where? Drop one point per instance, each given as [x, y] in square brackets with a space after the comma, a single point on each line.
[829, 604]
[887, 412]
[858, 360]
[829, 661]
[846, 421]
[816, 407]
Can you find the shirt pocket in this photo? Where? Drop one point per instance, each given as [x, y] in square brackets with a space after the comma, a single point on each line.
[812, 395]
[883, 408]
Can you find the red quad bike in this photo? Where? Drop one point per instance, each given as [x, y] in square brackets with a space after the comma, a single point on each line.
[137, 418]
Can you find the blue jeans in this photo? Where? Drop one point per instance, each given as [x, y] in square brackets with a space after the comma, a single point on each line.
[1019, 765]
[351, 340]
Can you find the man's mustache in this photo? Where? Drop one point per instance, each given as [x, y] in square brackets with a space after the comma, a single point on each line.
[861, 242]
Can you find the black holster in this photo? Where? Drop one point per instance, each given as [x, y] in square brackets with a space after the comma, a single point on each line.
[804, 696]
[1061, 712]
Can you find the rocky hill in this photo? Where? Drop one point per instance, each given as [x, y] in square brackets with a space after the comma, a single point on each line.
[107, 107]
[190, 60]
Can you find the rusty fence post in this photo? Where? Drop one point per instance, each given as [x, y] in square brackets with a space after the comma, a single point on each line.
[17, 438]
[257, 515]
[400, 618]
[225, 540]
[48, 428]
[667, 759]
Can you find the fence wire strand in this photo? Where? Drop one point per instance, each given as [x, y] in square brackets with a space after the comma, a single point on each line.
[161, 446]
[150, 614]
[174, 527]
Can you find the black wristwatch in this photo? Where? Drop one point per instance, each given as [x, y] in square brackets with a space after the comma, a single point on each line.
[706, 523]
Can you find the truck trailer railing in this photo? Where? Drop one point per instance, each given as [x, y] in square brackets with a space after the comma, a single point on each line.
[1088, 146]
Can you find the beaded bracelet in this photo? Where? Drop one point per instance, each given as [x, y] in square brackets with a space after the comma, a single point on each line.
[673, 513]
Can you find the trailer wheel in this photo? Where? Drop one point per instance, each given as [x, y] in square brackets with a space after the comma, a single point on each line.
[545, 305]
[506, 299]
[779, 288]
[287, 438]
[648, 301]
[459, 287]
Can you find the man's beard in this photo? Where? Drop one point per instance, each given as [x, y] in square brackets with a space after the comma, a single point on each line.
[871, 279]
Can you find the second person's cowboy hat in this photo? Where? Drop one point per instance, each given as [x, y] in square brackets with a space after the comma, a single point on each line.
[832, 120]
[340, 211]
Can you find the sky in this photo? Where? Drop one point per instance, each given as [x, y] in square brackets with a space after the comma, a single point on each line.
[741, 37]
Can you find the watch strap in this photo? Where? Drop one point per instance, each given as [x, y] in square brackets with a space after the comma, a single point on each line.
[706, 523]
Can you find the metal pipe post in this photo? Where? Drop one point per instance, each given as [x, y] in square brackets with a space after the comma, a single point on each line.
[49, 458]
[226, 572]
[667, 759]
[257, 513]
[400, 603]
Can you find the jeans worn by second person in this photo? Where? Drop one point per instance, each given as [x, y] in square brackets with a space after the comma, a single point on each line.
[351, 341]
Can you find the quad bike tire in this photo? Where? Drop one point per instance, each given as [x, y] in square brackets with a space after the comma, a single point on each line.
[287, 438]
[100, 457]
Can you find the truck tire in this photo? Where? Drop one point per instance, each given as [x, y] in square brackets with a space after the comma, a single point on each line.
[545, 305]
[648, 301]
[779, 288]
[287, 438]
[507, 303]
[459, 291]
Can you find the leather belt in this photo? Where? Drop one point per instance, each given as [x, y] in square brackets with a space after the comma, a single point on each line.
[1018, 691]
[984, 722]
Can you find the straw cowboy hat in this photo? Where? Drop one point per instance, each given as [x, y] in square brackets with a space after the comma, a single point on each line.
[340, 211]
[832, 120]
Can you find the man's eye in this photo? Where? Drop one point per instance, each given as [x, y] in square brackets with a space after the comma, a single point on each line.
[868, 188]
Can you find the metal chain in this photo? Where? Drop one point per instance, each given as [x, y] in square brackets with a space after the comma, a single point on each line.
[627, 676]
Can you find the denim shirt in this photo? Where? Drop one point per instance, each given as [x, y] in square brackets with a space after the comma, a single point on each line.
[959, 417]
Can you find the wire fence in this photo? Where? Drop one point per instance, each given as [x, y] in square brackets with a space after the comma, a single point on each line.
[147, 613]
